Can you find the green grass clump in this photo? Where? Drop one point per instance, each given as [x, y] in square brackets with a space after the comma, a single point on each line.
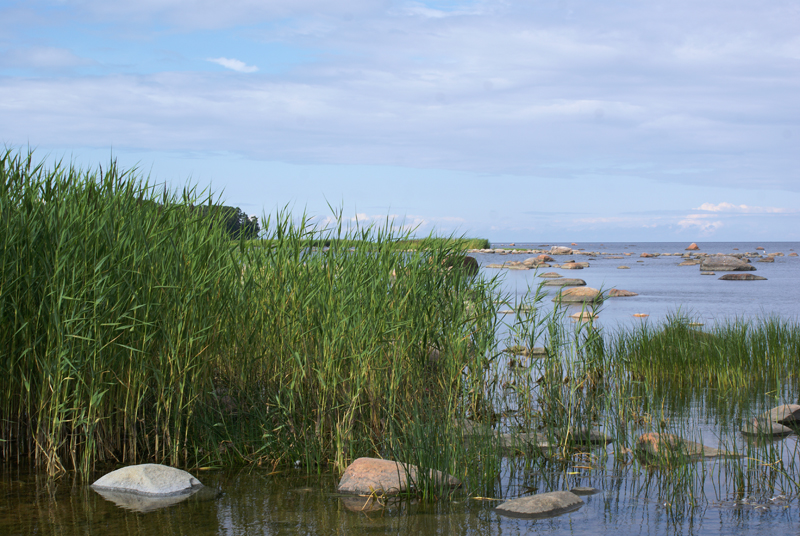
[133, 330]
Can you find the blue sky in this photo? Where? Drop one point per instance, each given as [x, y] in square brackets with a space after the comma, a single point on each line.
[530, 121]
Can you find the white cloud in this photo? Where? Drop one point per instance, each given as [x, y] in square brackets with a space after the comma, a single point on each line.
[730, 207]
[234, 65]
[41, 58]
[701, 223]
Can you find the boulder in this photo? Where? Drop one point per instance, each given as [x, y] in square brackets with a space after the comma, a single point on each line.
[560, 250]
[579, 295]
[149, 479]
[691, 262]
[572, 266]
[793, 254]
[623, 267]
[541, 505]
[692, 247]
[550, 275]
[564, 282]
[619, 293]
[766, 259]
[640, 315]
[708, 273]
[759, 248]
[725, 263]
[779, 421]
[663, 446]
[366, 476]
[742, 277]
[647, 255]
[545, 258]
[583, 316]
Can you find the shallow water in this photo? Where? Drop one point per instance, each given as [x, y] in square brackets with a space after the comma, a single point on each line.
[252, 502]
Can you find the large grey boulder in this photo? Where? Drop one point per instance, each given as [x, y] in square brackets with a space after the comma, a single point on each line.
[777, 422]
[541, 505]
[725, 263]
[149, 479]
[366, 476]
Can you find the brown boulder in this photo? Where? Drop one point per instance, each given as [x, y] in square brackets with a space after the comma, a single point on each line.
[793, 254]
[692, 247]
[647, 255]
[766, 259]
[579, 295]
[560, 250]
[549, 275]
[366, 476]
[583, 316]
[571, 266]
[664, 446]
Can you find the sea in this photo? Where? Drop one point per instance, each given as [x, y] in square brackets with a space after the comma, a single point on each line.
[664, 288]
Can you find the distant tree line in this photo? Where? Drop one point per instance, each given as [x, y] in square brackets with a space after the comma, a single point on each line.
[236, 222]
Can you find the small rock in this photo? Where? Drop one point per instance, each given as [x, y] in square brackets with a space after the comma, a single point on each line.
[564, 282]
[778, 421]
[692, 247]
[550, 275]
[654, 445]
[742, 277]
[372, 475]
[766, 259]
[584, 315]
[640, 315]
[647, 255]
[793, 254]
[623, 267]
[541, 505]
[579, 295]
[571, 266]
[584, 490]
[708, 273]
[619, 293]
[759, 248]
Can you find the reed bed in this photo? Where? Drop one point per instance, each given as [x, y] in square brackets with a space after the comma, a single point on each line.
[134, 330]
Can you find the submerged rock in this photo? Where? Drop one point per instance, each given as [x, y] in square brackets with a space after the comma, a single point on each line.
[366, 476]
[623, 267]
[620, 293]
[564, 282]
[742, 277]
[584, 490]
[550, 275]
[579, 295]
[541, 505]
[653, 446]
[149, 479]
[726, 263]
[779, 421]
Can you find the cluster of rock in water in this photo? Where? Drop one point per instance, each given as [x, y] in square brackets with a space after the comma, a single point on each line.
[148, 487]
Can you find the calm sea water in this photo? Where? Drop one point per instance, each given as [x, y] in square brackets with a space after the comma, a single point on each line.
[664, 287]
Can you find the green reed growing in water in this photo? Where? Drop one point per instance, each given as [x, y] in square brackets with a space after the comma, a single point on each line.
[133, 330]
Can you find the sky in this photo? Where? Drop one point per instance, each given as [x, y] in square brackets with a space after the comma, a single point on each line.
[529, 121]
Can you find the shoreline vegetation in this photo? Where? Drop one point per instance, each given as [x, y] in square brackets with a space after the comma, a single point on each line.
[134, 330]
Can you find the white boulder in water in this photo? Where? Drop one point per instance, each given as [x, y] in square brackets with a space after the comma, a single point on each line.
[149, 479]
